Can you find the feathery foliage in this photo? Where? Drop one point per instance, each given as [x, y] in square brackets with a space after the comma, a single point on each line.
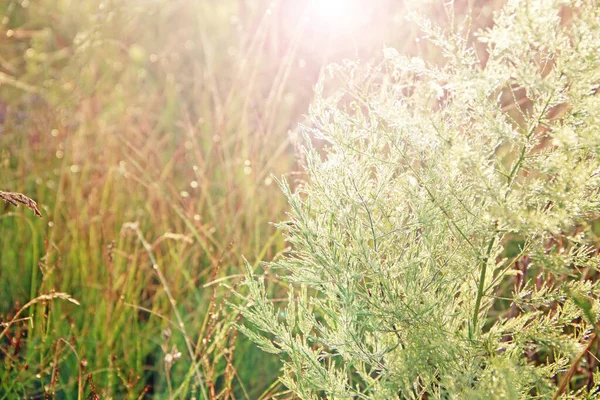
[446, 245]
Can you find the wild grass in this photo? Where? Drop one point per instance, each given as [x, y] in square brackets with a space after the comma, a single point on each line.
[146, 131]
[117, 140]
[18, 198]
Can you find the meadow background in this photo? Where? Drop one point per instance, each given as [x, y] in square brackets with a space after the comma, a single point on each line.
[148, 131]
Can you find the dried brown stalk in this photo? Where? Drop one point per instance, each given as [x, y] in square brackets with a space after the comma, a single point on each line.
[17, 198]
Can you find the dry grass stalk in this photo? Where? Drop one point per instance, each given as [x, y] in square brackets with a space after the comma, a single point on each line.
[17, 198]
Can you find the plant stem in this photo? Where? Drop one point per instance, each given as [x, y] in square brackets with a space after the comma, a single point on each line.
[163, 282]
[481, 284]
[571, 371]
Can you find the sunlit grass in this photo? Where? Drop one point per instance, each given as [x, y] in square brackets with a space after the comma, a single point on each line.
[155, 127]
[147, 132]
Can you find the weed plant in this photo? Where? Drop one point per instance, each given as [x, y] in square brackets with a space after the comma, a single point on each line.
[446, 243]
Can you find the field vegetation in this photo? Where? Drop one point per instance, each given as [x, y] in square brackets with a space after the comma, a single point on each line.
[438, 182]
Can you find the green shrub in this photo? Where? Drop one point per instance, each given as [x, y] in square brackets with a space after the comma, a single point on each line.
[444, 246]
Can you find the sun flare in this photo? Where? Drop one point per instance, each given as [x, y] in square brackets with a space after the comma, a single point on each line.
[336, 14]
